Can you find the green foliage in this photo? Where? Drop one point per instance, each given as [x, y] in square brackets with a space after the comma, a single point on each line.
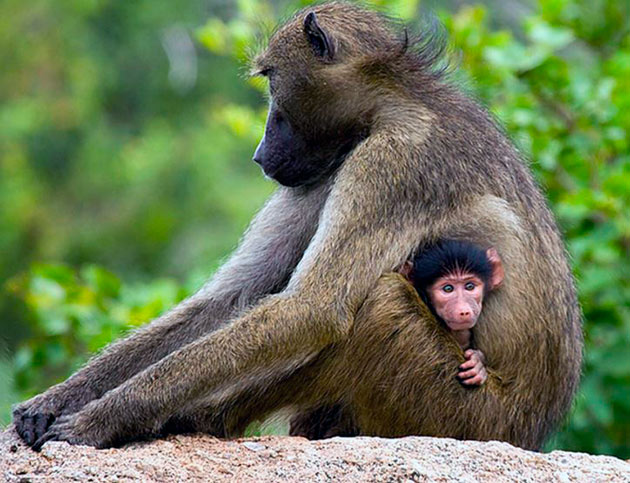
[76, 314]
[111, 153]
[8, 394]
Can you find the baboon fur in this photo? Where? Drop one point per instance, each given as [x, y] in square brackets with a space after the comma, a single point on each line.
[379, 155]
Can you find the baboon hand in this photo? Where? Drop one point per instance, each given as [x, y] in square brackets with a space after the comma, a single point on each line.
[63, 429]
[91, 427]
[473, 371]
[33, 418]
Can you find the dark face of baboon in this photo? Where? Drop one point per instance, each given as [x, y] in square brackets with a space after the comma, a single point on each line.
[304, 139]
[295, 158]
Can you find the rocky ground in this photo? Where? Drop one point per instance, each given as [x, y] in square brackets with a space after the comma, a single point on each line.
[281, 458]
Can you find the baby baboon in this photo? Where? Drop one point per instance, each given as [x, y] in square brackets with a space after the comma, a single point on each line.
[453, 278]
[376, 154]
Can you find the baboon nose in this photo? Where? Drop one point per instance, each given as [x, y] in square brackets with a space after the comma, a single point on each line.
[258, 154]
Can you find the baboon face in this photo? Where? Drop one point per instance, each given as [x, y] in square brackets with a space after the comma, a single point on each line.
[458, 298]
[286, 155]
[453, 277]
[311, 126]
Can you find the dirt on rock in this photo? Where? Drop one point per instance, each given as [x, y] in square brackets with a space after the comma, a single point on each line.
[282, 458]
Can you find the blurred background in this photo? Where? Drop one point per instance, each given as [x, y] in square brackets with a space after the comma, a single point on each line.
[126, 136]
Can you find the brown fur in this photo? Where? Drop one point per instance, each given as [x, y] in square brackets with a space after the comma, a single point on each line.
[302, 314]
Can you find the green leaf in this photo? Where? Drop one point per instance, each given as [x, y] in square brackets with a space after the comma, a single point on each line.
[552, 37]
[597, 403]
[102, 281]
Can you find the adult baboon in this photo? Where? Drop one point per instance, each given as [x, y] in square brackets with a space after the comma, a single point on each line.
[376, 154]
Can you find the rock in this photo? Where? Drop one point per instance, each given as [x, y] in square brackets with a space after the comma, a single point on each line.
[282, 458]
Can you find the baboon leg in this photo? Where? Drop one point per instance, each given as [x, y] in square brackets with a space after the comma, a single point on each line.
[326, 421]
[308, 395]
[229, 417]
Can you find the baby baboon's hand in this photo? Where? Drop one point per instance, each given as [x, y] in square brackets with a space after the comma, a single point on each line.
[473, 371]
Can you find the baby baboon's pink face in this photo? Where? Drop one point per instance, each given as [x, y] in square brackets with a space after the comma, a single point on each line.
[457, 298]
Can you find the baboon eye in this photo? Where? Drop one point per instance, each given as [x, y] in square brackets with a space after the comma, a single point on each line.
[265, 72]
[469, 286]
[278, 118]
[447, 288]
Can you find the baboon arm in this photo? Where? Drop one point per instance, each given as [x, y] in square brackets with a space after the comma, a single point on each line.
[262, 264]
[353, 246]
[270, 249]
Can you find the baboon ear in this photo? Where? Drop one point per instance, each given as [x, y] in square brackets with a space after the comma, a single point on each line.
[321, 42]
[496, 278]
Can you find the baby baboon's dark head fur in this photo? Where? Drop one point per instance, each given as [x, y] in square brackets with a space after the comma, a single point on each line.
[446, 257]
